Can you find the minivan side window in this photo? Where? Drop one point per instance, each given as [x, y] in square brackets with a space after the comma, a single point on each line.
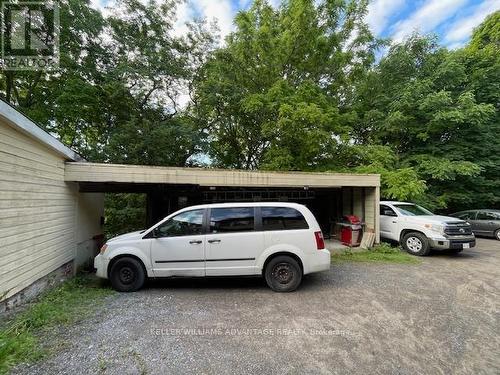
[282, 218]
[224, 220]
[187, 223]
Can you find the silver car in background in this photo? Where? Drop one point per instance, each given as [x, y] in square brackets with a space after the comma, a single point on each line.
[484, 222]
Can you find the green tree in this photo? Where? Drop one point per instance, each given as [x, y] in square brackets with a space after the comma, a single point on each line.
[116, 97]
[63, 100]
[153, 67]
[124, 212]
[277, 94]
[421, 102]
[293, 88]
[487, 34]
[481, 58]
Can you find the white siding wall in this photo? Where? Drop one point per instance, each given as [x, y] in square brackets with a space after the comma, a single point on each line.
[90, 211]
[353, 197]
[370, 209]
[37, 212]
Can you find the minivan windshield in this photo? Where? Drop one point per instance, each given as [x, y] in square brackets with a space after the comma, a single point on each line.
[412, 210]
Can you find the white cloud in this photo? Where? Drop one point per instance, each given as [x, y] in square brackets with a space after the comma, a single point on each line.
[219, 10]
[100, 4]
[379, 13]
[462, 28]
[96, 4]
[456, 45]
[431, 14]
[184, 14]
[105, 6]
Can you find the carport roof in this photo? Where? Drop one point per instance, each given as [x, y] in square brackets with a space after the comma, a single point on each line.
[139, 174]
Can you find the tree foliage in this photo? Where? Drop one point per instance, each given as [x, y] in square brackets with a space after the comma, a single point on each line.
[422, 103]
[275, 96]
[116, 96]
[294, 87]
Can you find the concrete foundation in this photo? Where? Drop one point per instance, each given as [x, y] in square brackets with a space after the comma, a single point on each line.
[33, 291]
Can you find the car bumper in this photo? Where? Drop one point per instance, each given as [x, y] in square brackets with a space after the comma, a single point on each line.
[452, 243]
[101, 266]
[320, 261]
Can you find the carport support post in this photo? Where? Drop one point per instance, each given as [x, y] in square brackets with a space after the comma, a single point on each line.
[150, 201]
[377, 214]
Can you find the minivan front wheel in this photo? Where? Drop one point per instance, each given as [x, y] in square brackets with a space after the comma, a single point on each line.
[283, 274]
[127, 275]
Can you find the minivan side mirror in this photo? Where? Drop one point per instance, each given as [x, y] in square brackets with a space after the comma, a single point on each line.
[389, 213]
[153, 234]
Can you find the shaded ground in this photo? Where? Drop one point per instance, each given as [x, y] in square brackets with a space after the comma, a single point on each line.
[438, 317]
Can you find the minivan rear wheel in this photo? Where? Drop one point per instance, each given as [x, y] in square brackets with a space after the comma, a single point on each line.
[283, 274]
[127, 275]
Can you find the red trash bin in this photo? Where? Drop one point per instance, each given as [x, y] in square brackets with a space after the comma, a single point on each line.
[351, 231]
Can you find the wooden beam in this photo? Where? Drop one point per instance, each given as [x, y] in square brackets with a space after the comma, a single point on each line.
[117, 173]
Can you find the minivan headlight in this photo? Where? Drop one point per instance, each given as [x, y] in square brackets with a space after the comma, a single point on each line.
[103, 248]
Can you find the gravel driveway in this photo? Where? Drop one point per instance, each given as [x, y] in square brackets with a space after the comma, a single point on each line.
[439, 317]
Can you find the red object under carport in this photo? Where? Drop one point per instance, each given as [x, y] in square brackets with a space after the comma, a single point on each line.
[351, 231]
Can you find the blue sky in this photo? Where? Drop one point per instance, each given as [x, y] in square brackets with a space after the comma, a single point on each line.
[451, 20]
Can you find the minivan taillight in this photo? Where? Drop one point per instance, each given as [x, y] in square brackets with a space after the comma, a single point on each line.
[320, 242]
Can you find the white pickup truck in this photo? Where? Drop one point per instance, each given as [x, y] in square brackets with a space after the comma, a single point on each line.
[419, 230]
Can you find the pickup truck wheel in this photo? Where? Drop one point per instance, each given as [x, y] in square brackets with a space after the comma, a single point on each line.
[497, 234]
[416, 244]
[127, 275]
[283, 274]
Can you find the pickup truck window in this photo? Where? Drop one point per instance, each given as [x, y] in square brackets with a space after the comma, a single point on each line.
[412, 210]
[386, 211]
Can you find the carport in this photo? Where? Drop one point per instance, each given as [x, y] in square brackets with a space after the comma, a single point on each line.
[328, 195]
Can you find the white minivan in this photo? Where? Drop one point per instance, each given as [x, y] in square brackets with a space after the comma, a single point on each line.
[280, 241]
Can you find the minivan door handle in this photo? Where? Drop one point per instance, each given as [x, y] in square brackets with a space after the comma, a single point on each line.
[213, 241]
[195, 242]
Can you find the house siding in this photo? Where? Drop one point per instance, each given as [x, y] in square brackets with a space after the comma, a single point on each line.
[37, 211]
[371, 209]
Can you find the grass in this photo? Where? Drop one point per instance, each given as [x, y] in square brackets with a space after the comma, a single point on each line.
[384, 253]
[21, 337]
